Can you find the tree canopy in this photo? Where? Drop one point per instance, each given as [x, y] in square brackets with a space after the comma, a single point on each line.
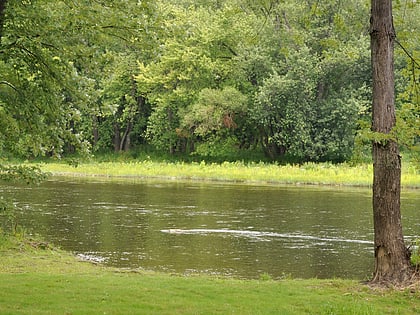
[289, 79]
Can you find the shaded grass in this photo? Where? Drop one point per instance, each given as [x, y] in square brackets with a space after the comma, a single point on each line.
[308, 173]
[49, 281]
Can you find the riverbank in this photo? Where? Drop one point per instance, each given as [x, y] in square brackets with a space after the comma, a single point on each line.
[308, 173]
[36, 278]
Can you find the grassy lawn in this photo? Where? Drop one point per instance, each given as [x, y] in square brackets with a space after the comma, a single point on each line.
[308, 173]
[50, 281]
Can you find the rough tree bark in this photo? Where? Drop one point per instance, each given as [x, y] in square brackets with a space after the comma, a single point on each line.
[392, 259]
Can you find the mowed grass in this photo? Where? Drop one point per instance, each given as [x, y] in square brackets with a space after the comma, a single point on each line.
[308, 173]
[50, 281]
[112, 293]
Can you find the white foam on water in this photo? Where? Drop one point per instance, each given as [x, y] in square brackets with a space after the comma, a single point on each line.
[258, 234]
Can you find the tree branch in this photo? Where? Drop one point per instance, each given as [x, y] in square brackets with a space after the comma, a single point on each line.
[9, 85]
[407, 53]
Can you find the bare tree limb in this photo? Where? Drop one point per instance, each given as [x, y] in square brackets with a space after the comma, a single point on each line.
[9, 85]
[407, 53]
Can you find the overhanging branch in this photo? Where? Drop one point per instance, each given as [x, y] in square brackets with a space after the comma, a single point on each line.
[407, 53]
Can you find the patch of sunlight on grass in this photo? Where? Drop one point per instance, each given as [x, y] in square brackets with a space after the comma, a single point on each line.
[308, 173]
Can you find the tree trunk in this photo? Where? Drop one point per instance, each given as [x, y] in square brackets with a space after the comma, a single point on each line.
[125, 144]
[117, 137]
[392, 260]
[3, 4]
[95, 129]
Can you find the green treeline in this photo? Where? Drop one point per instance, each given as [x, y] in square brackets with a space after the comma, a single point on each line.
[283, 80]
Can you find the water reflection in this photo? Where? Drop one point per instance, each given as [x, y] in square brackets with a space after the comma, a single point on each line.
[228, 229]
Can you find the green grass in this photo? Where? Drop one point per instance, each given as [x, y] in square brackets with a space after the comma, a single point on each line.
[49, 281]
[308, 173]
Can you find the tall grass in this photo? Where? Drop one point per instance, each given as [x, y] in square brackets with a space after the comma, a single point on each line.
[308, 173]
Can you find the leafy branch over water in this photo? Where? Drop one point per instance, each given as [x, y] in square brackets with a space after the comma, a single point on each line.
[22, 173]
[17, 173]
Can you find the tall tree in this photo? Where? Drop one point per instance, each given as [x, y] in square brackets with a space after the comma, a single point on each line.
[392, 259]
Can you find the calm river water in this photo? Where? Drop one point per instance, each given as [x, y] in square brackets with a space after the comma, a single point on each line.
[237, 230]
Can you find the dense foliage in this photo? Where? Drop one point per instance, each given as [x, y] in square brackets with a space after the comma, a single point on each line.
[211, 78]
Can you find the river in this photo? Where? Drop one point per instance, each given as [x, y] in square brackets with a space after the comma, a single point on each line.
[228, 229]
